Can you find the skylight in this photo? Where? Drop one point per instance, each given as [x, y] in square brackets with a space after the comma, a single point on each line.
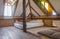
[46, 6]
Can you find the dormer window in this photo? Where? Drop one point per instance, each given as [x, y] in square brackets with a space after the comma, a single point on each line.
[9, 7]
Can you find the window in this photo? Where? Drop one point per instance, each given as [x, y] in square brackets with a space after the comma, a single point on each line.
[53, 13]
[8, 10]
[45, 6]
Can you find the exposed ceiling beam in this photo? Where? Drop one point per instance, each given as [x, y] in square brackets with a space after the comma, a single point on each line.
[30, 8]
[16, 6]
[44, 11]
[35, 10]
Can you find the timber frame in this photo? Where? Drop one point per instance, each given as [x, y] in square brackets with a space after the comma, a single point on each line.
[39, 17]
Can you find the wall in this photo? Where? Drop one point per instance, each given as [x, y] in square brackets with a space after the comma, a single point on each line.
[19, 9]
[1, 7]
[56, 23]
[56, 5]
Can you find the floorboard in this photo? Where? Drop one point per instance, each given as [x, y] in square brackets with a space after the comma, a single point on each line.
[14, 33]
[35, 30]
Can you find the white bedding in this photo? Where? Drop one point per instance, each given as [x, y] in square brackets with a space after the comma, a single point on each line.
[31, 24]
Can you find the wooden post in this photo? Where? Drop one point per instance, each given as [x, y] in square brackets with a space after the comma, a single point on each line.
[24, 16]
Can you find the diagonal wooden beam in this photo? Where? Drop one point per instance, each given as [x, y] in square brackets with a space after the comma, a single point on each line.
[30, 8]
[3, 4]
[16, 6]
[27, 5]
[34, 10]
[31, 14]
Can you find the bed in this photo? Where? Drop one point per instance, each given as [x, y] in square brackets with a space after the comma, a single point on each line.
[30, 24]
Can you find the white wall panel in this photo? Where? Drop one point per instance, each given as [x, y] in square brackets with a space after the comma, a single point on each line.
[56, 23]
[27, 10]
[1, 7]
[19, 9]
[56, 5]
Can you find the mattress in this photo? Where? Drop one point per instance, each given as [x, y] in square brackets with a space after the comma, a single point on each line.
[29, 25]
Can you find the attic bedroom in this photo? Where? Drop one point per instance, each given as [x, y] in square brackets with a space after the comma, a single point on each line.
[29, 19]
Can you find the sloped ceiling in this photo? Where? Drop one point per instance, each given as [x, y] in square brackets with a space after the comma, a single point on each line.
[1, 7]
[19, 9]
[56, 5]
[36, 8]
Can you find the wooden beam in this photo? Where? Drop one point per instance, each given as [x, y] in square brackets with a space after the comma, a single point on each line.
[45, 12]
[30, 8]
[48, 17]
[27, 5]
[34, 10]
[16, 6]
[3, 5]
[24, 16]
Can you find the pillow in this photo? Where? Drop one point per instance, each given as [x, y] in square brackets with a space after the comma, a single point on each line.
[56, 35]
[46, 32]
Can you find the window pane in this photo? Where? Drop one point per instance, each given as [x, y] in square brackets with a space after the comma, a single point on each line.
[46, 6]
[7, 11]
[9, 7]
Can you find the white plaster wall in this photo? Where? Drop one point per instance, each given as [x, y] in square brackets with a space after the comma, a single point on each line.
[27, 10]
[1, 7]
[19, 9]
[56, 23]
[56, 5]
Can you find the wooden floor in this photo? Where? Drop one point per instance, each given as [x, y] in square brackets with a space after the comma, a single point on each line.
[35, 30]
[14, 33]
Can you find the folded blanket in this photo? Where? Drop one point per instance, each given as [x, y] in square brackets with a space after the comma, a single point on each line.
[48, 33]
[56, 35]
[57, 29]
